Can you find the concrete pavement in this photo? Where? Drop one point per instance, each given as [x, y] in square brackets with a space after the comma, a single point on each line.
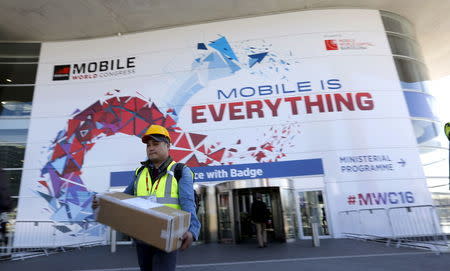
[333, 254]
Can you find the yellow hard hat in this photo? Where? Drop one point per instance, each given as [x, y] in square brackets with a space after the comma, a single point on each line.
[156, 132]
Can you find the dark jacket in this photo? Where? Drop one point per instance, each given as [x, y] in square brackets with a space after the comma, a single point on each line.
[259, 212]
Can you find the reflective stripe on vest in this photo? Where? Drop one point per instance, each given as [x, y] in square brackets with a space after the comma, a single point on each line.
[165, 190]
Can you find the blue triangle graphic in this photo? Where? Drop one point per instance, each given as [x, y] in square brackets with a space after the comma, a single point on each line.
[45, 196]
[74, 209]
[233, 66]
[223, 47]
[201, 46]
[217, 62]
[210, 58]
[252, 62]
[256, 58]
[60, 215]
[58, 164]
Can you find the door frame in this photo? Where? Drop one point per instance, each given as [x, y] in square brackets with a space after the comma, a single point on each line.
[301, 236]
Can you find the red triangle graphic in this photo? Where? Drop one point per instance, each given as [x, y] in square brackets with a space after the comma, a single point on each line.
[95, 132]
[113, 101]
[131, 105]
[174, 136]
[146, 114]
[128, 129]
[125, 116]
[139, 103]
[183, 142]
[169, 122]
[117, 112]
[58, 152]
[217, 155]
[70, 167]
[196, 138]
[193, 162]
[178, 155]
[110, 118]
[123, 100]
[79, 157]
[158, 121]
[44, 183]
[73, 125]
[202, 149]
[155, 113]
[140, 126]
[208, 161]
[98, 116]
[75, 146]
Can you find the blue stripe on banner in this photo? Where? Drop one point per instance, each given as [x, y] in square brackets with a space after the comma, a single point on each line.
[240, 171]
[258, 170]
[420, 105]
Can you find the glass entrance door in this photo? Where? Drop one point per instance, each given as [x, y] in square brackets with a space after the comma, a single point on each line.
[312, 203]
[245, 230]
[225, 224]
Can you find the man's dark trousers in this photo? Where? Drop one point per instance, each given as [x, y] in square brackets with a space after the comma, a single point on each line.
[154, 259]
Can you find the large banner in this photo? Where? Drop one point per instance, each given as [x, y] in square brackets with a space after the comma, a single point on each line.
[305, 93]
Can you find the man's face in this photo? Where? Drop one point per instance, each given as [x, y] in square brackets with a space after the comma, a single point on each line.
[157, 151]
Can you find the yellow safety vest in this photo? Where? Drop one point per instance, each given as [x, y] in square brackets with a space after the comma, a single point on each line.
[165, 189]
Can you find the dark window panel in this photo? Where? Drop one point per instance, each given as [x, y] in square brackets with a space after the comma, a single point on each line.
[411, 71]
[16, 93]
[17, 73]
[395, 23]
[19, 59]
[19, 49]
[405, 47]
[16, 101]
[12, 178]
[12, 155]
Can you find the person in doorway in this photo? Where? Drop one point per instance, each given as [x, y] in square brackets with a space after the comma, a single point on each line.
[260, 216]
[156, 174]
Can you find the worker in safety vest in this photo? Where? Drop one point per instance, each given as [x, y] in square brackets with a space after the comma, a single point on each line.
[154, 180]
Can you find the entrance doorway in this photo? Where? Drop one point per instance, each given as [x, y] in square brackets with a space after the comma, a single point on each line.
[312, 204]
[245, 230]
[234, 200]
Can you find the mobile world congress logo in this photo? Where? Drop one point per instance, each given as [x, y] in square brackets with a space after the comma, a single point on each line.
[95, 69]
[61, 72]
[346, 44]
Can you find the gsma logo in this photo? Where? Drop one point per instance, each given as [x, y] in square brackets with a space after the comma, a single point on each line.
[331, 45]
[61, 72]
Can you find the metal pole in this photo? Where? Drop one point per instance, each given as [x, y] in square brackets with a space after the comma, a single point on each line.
[9, 244]
[447, 133]
[315, 221]
[113, 240]
[315, 234]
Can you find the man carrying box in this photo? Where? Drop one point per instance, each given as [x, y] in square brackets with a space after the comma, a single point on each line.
[156, 180]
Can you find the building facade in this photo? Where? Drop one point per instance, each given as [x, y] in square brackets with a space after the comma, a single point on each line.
[318, 114]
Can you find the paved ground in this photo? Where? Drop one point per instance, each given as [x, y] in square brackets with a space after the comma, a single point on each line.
[333, 254]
